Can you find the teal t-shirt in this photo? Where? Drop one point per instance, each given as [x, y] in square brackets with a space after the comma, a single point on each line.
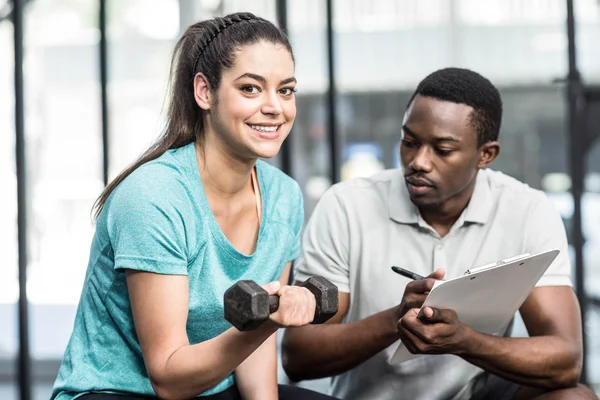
[159, 220]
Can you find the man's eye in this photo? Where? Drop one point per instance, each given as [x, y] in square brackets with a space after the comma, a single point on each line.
[444, 152]
[408, 143]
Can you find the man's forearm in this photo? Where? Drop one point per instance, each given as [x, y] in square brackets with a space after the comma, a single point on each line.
[319, 351]
[545, 361]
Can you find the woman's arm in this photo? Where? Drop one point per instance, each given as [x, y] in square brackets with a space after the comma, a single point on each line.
[178, 370]
[256, 377]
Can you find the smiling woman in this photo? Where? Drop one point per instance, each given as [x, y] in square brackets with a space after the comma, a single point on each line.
[194, 215]
[260, 100]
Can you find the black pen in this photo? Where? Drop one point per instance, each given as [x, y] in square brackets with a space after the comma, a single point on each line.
[407, 273]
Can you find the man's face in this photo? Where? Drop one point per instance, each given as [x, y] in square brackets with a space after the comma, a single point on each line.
[439, 151]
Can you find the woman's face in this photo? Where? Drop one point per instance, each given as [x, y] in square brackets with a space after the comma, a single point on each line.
[255, 105]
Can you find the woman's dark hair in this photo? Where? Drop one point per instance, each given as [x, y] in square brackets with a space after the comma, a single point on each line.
[209, 47]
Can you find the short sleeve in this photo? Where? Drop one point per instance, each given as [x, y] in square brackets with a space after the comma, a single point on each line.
[325, 243]
[296, 224]
[146, 225]
[546, 231]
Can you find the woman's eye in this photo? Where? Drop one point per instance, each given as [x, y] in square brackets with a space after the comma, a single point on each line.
[287, 91]
[250, 89]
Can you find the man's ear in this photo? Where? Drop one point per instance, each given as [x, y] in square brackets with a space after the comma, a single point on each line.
[488, 153]
[202, 93]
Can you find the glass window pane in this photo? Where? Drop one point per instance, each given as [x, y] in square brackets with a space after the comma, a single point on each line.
[140, 41]
[9, 287]
[590, 214]
[587, 32]
[310, 145]
[64, 153]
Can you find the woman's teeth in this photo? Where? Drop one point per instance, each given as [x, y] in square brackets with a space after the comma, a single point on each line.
[263, 128]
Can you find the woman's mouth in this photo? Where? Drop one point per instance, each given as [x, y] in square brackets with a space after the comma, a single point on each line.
[266, 131]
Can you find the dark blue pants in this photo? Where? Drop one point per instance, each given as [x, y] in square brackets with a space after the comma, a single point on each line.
[286, 392]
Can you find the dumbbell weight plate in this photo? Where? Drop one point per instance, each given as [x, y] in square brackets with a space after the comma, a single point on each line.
[235, 308]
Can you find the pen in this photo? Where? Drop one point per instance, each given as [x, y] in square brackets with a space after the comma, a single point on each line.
[407, 273]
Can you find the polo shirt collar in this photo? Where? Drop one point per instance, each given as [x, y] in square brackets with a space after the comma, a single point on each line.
[480, 207]
[402, 210]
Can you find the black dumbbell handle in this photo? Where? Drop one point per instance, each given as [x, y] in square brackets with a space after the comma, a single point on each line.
[273, 303]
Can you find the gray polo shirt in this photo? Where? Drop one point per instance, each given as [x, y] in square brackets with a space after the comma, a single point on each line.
[361, 227]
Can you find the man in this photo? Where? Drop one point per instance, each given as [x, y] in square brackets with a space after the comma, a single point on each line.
[439, 215]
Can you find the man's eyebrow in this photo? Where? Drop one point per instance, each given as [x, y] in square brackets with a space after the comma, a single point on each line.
[262, 80]
[447, 138]
[407, 129]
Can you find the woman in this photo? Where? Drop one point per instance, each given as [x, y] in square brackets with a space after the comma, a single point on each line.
[195, 214]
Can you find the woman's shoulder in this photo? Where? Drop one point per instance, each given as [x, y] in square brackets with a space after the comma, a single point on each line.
[162, 176]
[162, 185]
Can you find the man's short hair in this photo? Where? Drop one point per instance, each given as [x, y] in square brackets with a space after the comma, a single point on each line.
[463, 86]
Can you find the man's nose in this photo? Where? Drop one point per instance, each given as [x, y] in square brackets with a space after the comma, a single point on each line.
[422, 160]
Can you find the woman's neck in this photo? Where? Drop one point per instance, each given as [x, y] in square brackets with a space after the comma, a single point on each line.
[222, 174]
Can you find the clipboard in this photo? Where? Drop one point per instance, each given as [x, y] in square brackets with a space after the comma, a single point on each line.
[486, 298]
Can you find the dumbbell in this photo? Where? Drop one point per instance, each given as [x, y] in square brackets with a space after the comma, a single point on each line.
[247, 305]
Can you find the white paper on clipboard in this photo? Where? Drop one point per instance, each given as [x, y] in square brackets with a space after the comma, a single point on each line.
[486, 298]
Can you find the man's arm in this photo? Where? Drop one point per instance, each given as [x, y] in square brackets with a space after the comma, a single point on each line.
[318, 351]
[256, 377]
[551, 358]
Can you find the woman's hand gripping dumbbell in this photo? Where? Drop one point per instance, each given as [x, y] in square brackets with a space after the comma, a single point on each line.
[247, 305]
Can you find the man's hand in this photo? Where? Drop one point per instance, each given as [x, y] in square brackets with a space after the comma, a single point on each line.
[416, 292]
[432, 331]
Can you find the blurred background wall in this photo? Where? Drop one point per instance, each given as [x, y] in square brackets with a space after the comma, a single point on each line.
[380, 50]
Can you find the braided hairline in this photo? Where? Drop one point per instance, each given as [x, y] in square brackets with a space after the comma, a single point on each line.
[227, 22]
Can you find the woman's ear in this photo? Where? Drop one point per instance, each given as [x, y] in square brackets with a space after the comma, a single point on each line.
[488, 153]
[202, 91]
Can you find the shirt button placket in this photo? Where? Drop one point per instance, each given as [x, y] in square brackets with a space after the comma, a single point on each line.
[439, 256]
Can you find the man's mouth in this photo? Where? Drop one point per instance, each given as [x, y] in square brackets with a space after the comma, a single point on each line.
[419, 186]
[419, 182]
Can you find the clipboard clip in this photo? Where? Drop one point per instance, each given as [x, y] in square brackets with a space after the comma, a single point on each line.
[495, 264]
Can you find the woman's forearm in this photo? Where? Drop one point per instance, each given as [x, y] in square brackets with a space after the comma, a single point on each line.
[194, 369]
[256, 377]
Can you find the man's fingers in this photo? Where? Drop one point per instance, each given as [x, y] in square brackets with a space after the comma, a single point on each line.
[411, 322]
[438, 274]
[414, 300]
[421, 285]
[426, 314]
[409, 339]
[436, 315]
